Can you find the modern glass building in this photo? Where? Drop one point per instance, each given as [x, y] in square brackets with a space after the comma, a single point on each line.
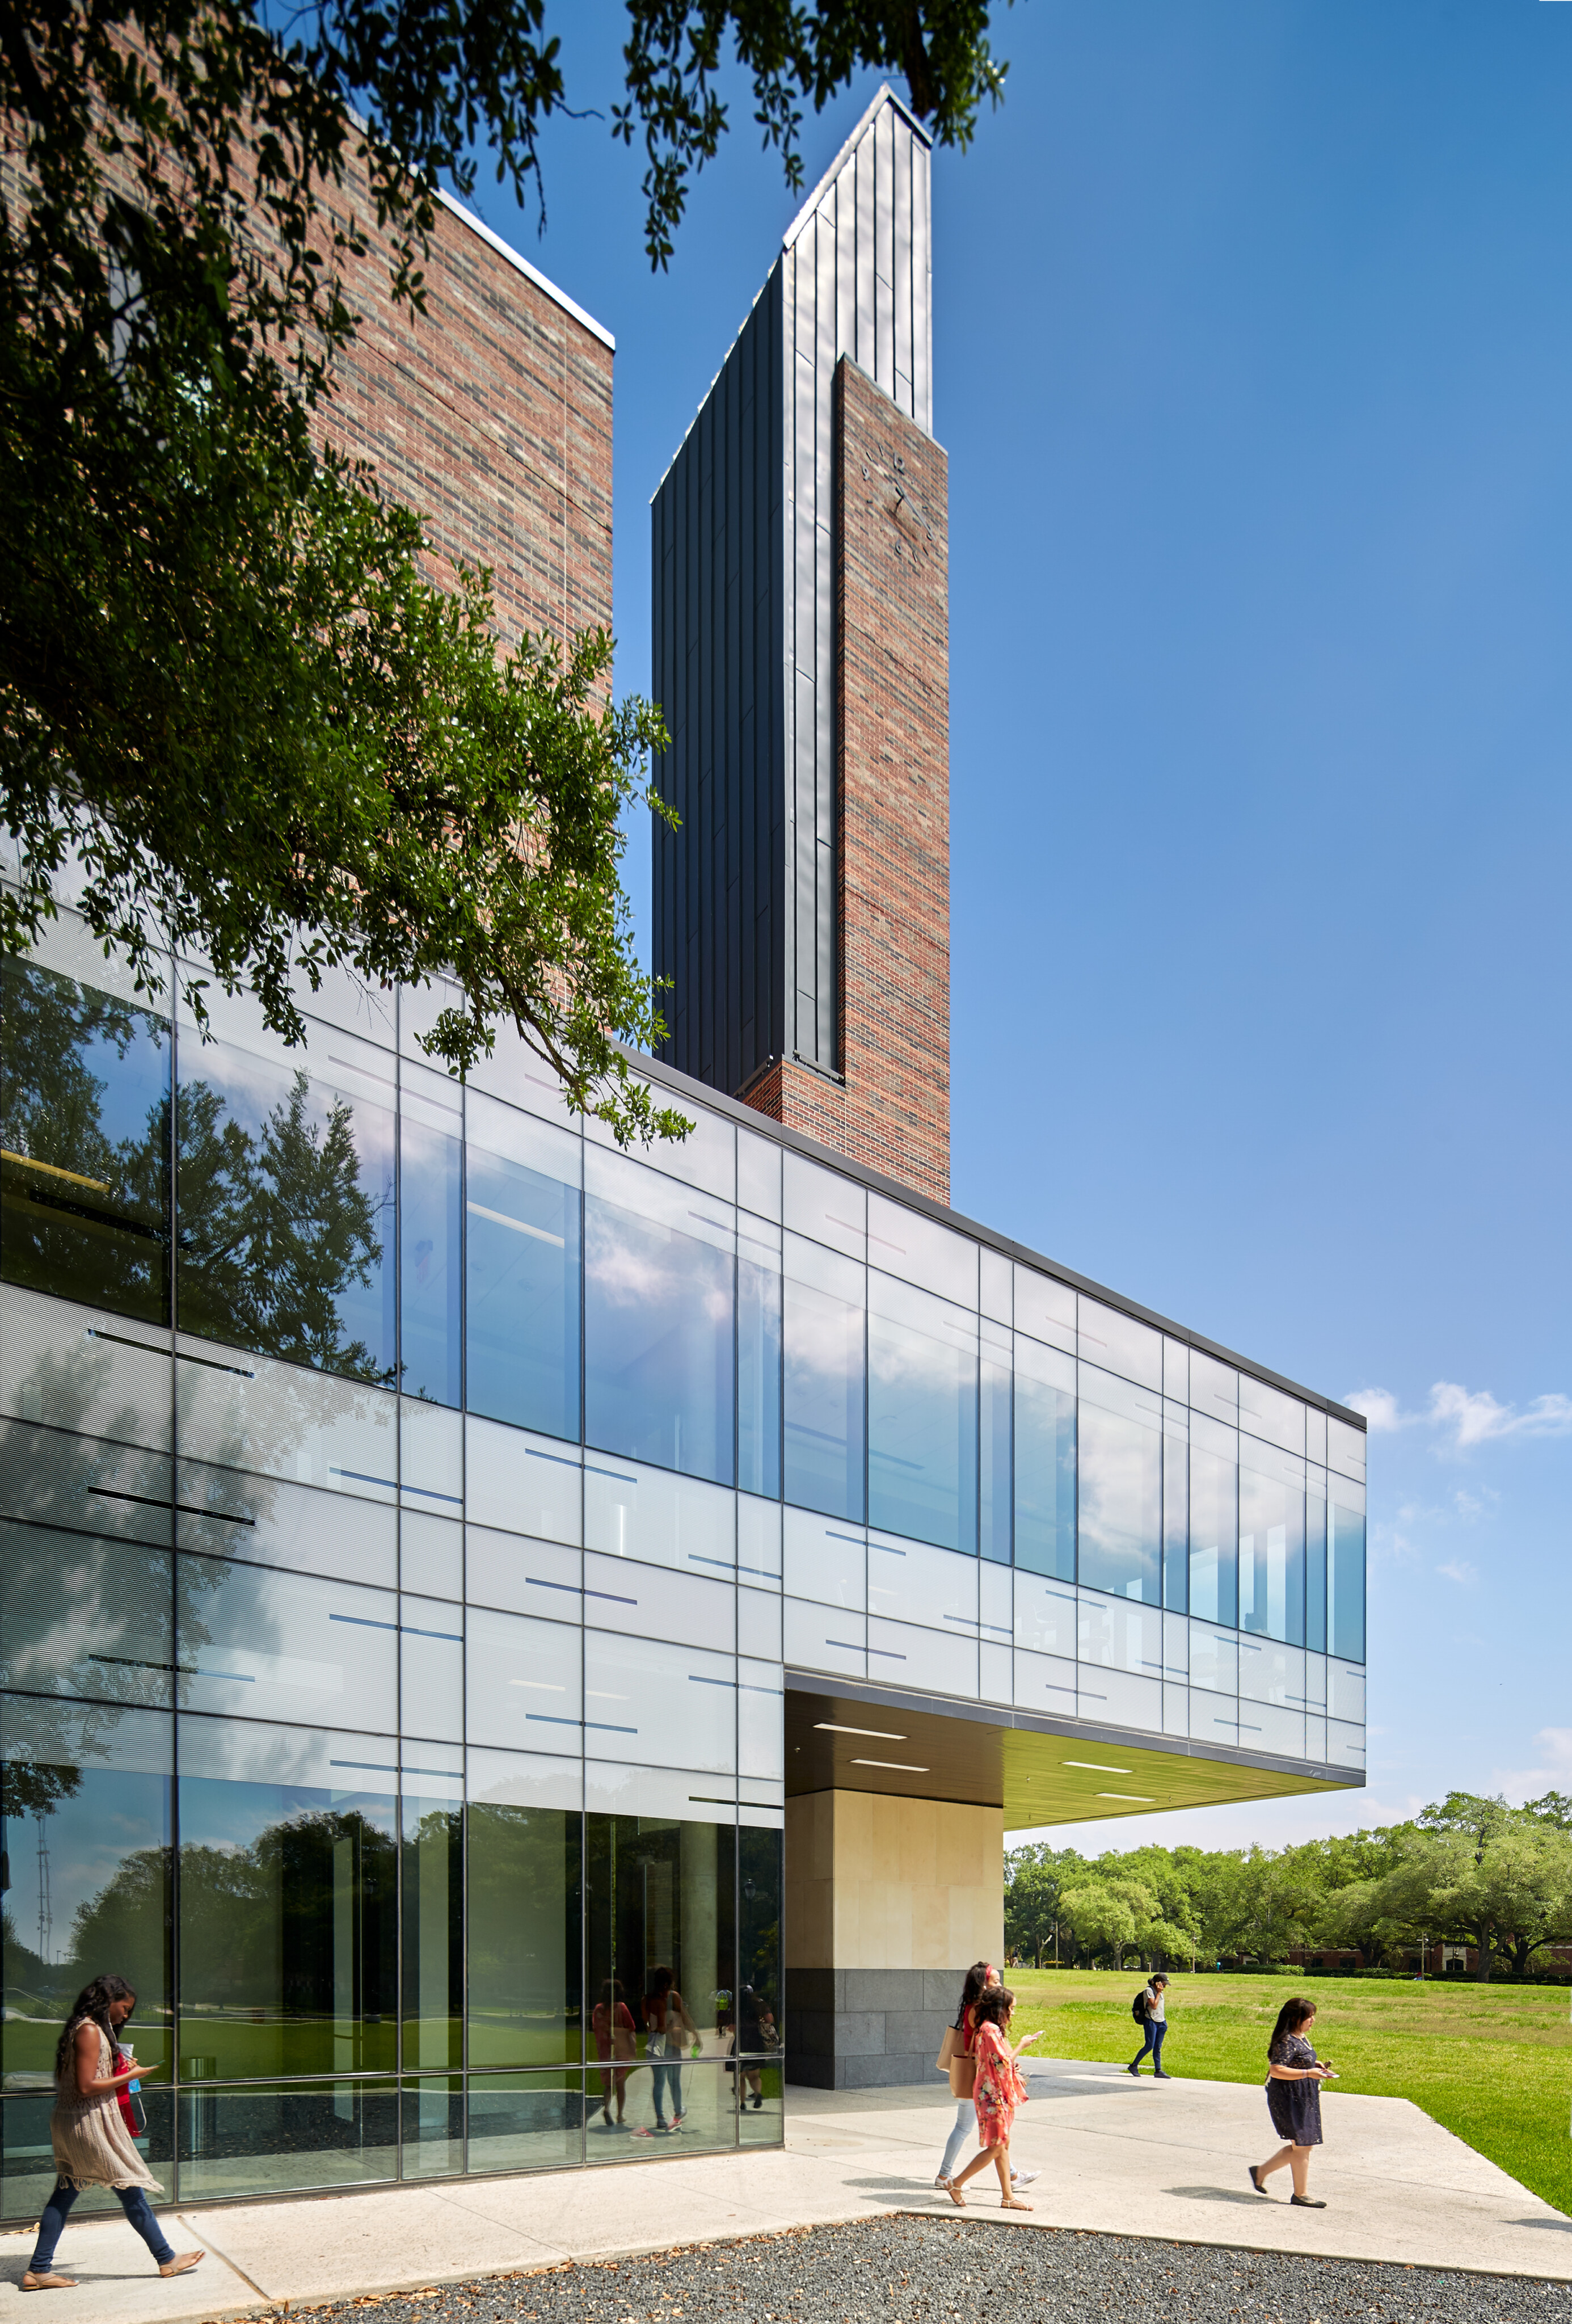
[415, 1511]
[462, 1583]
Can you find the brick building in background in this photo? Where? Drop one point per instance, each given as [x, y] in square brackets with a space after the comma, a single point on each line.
[801, 651]
[490, 416]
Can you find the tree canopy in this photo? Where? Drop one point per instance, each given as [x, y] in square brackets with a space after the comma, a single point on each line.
[231, 698]
[1465, 1870]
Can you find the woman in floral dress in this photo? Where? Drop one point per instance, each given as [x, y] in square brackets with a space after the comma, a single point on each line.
[1001, 2087]
[1293, 2099]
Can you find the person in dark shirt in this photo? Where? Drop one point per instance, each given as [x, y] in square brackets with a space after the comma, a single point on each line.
[1293, 2099]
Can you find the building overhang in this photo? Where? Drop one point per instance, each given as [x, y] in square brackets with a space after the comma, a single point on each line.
[844, 1735]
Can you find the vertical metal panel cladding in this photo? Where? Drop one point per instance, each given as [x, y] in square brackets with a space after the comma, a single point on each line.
[745, 894]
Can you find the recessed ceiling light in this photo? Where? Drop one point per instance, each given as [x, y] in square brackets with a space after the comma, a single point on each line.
[899, 1767]
[1097, 1766]
[882, 1735]
[1137, 1799]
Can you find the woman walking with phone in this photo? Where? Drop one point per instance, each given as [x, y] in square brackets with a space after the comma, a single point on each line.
[1001, 2087]
[1293, 2099]
[92, 2145]
[957, 2059]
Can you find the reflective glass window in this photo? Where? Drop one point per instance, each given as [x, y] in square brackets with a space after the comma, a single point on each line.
[758, 1342]
[761, 1895]
[1214, 1387]
[262, 2140]
[432, 1873]
[84, 1134]
[522, 1216]
[659, 1268]
[83, 1616]
[1315, 1562]
[922, 1415]
[271, 1644]
[271, 1522]
[660, 1951]
[76, 1368]
[525, 1900]
[1345, 1578]
[1271, 1549]
[281, 1420]
[1119, 1459]
[1175, 1518]
[1116, 1343]
[666, 1706]
[759, 1174]
[288, 1901]
[825, 1206]
[824, 1422]
[90, 1483]
[1266, 1412]
[901, 1241]
[285, 1184]
[994, 1468]
[1214, 1537]
[1046, 1309]
[526, 2122]
[430, 1238]
[85, 1800]
[1044, 1460]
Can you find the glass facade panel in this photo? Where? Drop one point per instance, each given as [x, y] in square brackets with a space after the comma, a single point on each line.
[85, 1130]
[276, 2140]
[285, 1183]
[526, 2122]
[825, 1422]
[431, 2128]
[288, 1910]
[432, 1920]
[659, 1264]
[1046, 1309]
[525, 1902]
[286, 1645]
[431, 1238]
[664, 1706]
[758, 1350]
[1315, 1563]
[1117, 1343]
[1272, 1581]
[79, 1368]
[902, 1243]
[1214, 1539]
[522, 1216]
[1044, 1460]
[82, 1616]
[1119, 1457]
[1345, 1576]
[86, 1809]
[1175, 1517]
[922, 1415]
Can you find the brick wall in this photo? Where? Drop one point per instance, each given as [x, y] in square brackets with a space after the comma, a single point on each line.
[891, 1109]
[490, 416]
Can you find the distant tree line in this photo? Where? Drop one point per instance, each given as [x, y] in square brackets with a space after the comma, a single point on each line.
[1466, 1871]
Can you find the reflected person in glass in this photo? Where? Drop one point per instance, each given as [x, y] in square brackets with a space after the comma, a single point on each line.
[92, 2141]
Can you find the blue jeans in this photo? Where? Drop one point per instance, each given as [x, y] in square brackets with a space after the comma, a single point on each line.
[1156, 2030]
[667, 2076]
[133, 2202]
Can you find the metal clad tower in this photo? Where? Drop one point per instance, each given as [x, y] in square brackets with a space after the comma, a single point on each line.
[746, 916]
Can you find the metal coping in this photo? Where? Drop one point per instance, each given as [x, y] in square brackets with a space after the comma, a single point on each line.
[654, 1069]
[532, 274]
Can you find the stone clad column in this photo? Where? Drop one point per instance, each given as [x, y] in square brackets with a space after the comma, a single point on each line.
[889, 1902]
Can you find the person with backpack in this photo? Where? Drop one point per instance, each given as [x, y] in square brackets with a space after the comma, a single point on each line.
[1149, 2010]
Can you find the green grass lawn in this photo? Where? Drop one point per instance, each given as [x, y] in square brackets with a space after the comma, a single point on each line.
[1492, 2063]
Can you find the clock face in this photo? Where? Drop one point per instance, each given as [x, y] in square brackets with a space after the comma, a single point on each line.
[891, 488]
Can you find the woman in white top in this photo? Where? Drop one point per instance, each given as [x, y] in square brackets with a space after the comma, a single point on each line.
[1156, 2025]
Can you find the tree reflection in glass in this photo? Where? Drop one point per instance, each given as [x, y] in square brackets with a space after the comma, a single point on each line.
[285, 1187]
[84, 1143]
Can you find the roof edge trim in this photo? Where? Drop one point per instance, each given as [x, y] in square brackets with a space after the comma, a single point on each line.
[886, 95]
[532, 274]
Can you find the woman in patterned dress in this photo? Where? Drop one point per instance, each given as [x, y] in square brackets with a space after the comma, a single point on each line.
[1001, 2087]
[1293, 2099]
[92, 2145]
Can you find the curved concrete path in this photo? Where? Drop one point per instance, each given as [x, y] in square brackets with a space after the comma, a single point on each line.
[1162, 2159]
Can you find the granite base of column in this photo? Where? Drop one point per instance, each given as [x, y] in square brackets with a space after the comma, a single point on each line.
[864, 2029]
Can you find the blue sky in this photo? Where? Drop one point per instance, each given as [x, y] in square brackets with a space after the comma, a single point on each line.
[1254, 363]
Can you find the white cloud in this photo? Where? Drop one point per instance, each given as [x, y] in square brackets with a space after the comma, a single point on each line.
[1467, 1417]
[1554, 1746]
[1459, 1570]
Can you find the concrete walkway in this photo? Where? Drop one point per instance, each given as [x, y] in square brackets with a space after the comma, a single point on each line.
[1159, 2158]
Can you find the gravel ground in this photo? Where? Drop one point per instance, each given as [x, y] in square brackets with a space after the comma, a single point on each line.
[933, 2270]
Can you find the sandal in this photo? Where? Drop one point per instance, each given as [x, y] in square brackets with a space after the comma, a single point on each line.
[955, 2195]
[1014, 2203]
[50, 2282]
[180, 2262]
